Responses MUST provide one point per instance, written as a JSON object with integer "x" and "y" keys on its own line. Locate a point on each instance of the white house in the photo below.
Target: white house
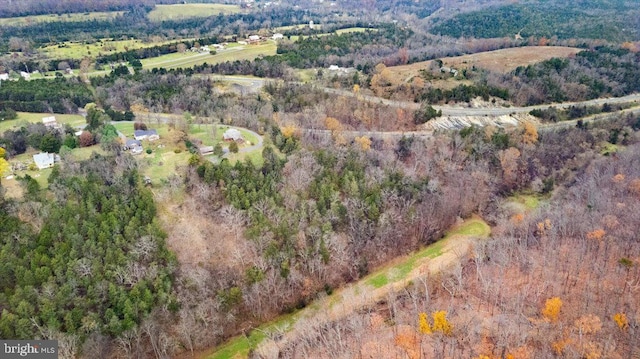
{"x": 50, "y": 121}
{"x": 4, "y": 77}
{"x": 44, "y": 160}
{"x": 232, "y": 135}
{"x": 254, "y": 38}
{"x": 277, "y": 36}
{"x": 25, "y": 75}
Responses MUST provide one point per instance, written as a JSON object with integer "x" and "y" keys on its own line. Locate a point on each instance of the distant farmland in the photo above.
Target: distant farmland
{"x": 30, "y": 20}
{"x": 182, "y": 11}
{"x": 503, "y": 60}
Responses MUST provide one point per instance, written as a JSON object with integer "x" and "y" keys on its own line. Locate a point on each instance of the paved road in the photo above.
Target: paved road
{"x": 494, "y": 111}
{"x": 446, "y": 110}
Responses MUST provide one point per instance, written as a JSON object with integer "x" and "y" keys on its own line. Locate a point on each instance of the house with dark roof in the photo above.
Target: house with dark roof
{"x": 134, "y": 146}
{"x": 150, "y": 135}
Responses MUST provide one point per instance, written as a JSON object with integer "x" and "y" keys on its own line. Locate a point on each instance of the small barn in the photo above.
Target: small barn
{"x": 50, "y": 121}
{"x": 205, "y": 150}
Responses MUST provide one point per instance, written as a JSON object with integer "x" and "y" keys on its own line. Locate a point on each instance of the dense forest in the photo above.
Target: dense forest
{"x": 59, "y": 95}
{"x": 101, "y": 272}
{"x": 610, "y": 20}
{"x": 600, "y": 72}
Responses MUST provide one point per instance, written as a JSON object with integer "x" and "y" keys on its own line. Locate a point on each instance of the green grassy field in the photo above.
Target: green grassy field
{"x": 471, "y": 227}
{"x": 79, "y": 50}
{"x": 29, "y": 20}
{"x": 526, "y": 202}
{"x": 232, "y": 53}
{"x": 183, "y": 11}
{"x": 241, "y": 345}
{"x": 125, "y": 127}
{"x": 25, "y": 118}
{"x": 354, "y": 29}
{"x": 161, "y": 163}
{"x": 204, "y": 133}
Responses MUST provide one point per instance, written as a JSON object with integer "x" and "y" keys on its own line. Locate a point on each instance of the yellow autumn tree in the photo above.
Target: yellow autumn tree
{"x": 356, "y": 89}
{"x": 529, "y": 133}
{"x": 364, "y": 142}
{"x": 551, "y": 309}
{"x": 332, "y": 124}
{"x": 138, "y": 107}
{"x": 4, "y": 165}
{"x": 543, "y": 227}
{"x": 440, "y": 322}
{"x": 559, "y": 345}
{"x": 289, "y": 131}
{"x": 621, "y": 321}
{"x": 423, "y": 324}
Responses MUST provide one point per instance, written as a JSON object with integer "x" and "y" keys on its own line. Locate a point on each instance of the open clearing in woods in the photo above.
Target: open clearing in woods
{"x": 392, "y": 277}
{"x": 183, "y": 11}
{"x": 34, "y": 19}
{"x": 503, "y": 60}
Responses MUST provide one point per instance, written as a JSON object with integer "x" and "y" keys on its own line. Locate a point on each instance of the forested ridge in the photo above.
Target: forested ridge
{"x": 555, "y": 281}
{"x": 610, "y": 20}
{"x": 170, "y": 252}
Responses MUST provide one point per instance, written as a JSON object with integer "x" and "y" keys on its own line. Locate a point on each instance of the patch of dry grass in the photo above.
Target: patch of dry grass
{"x": 503, "y": 60}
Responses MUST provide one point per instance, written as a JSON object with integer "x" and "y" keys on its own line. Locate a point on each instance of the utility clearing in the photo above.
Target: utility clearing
{"x": 503, "y": 60}
{"x": 432, "y": 259}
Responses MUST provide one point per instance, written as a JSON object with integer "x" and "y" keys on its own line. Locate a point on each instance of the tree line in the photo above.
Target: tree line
{"x": 59, "y": 95}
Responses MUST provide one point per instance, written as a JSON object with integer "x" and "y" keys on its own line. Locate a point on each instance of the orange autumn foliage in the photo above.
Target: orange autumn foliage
{"x": 517, "y": 218}
{"x": 289, "y": 131}
{"x": 621, "y": 321}
{"x": 551, "y": 310}
{"x": 597, "y": 234}
{"x": 618, "y": 178}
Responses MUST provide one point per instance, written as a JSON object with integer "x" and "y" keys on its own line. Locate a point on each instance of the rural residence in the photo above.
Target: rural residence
{"x": 232, "y": 135}
{"x": 150, "y": 135}
{"x": 44, "y": 160}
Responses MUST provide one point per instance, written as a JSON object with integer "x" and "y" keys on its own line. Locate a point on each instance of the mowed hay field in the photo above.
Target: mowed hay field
{"x": 30, "y": 20}
{"x": 182, "y": 11}
{"x": 79, "y": 50}
{"x": 503, "y": 60}
{"x": 232, "y": 53}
